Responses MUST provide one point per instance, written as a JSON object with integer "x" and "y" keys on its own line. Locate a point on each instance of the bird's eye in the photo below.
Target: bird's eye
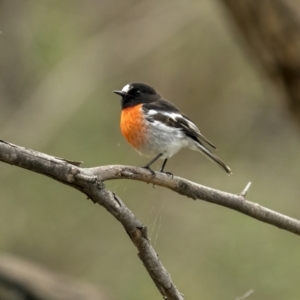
{"x": 137, "y": 92}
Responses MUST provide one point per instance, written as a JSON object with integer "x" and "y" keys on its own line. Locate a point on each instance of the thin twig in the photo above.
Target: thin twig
{"x": 246, "y": 190}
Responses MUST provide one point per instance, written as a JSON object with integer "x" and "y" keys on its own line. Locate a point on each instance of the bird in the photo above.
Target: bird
{"x": 156, "y": 128}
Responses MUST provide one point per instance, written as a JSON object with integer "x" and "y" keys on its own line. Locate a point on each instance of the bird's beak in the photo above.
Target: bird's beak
{"x": 121, "y": 93}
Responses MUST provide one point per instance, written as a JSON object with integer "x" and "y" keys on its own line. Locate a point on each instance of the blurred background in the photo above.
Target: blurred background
{"x": 60, "y": 61}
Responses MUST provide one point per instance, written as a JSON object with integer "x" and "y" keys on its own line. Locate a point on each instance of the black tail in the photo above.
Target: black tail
{"x": 214, "y": 158}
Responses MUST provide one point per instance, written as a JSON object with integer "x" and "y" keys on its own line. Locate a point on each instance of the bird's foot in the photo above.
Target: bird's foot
{"x": 168, "y": 173}
{"x": 149, "y": 169}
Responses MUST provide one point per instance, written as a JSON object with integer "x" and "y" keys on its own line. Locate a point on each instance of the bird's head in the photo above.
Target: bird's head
{"x": 137, "y": 93}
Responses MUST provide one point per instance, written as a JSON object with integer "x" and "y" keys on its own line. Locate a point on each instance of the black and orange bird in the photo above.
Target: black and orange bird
{"x": 156, "y": 128}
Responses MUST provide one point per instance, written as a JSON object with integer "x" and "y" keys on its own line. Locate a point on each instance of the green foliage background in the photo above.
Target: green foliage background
{"x": 60, "y": 61}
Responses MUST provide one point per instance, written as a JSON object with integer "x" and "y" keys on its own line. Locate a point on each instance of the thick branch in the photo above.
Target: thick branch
{"x": 85, "y": 181}
{"x": 90, "y": 181}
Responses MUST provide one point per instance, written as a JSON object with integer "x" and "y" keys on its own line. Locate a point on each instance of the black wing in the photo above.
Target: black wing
{"x": 167, "y": 113}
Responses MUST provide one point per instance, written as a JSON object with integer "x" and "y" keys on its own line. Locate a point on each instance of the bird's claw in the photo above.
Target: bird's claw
{"x": 168, "y": 173}
{"x": 149, "y": 169}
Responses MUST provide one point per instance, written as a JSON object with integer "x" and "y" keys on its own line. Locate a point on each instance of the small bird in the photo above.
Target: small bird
{"x": 156, "y": 128}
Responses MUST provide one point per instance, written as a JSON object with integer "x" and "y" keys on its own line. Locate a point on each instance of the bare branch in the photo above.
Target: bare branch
{"x": 197, "y": 191}
{"x": 90, "y": 182}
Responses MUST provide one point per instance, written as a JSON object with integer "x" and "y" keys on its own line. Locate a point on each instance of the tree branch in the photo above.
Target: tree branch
{"x": 85, "y": 181}
{"x": 90, "y": 182}
{"x": 199, "y": 192}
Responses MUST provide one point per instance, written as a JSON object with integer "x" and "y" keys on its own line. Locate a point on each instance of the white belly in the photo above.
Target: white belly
{"x": 164, "y": 139}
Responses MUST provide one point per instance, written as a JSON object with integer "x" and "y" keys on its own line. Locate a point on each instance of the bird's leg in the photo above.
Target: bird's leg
{"x": 163, "y": 166}
{"x": 151, "y": 162}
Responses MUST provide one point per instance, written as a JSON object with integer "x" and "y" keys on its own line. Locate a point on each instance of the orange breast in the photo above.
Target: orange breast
{"x": 132, "y": 126}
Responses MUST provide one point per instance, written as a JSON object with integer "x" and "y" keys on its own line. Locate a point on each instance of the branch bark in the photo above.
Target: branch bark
{"x": 90, "y": 182}
{"x": 85, "y": 181}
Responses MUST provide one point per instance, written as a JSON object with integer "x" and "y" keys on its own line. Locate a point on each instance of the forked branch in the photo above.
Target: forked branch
{"x": 90, "y": 182}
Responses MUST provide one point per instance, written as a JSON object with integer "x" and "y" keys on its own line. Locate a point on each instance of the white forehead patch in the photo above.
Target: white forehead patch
{"x": 126, "y": 88}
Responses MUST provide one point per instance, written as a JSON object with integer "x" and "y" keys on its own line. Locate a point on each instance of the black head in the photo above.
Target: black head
{"x": 137, "y": 93}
